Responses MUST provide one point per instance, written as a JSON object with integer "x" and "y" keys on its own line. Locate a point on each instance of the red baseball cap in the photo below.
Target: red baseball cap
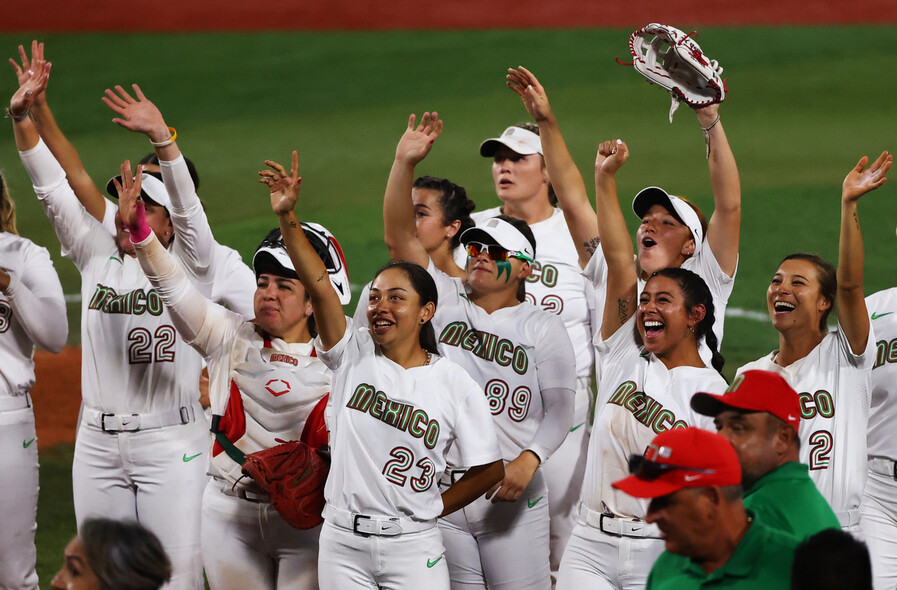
{"x": 755, "y": 391}
{"x": 681, "y": 458}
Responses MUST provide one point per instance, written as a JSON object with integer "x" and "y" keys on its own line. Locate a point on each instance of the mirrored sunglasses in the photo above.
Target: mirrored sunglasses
{"x": 649, "y": 470}
{"x": 494, "y": 251}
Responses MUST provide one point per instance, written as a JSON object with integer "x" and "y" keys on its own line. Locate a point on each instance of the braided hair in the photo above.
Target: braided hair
{"x": 696, "y": 292}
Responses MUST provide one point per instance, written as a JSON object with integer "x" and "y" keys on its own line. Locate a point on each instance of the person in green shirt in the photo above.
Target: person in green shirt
{"x": 760, "y": 415}
{"x": 693, "y": 479}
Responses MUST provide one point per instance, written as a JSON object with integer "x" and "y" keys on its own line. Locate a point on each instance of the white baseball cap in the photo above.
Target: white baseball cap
{"x": 272, "y": 255}
{"x": 151, "y": 189}
{"x": 681, "y": 210}
{"x": 518, "y": 139}
{"x": 501, "y": 233}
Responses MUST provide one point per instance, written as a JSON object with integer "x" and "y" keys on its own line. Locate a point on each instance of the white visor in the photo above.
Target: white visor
{"x": 500, "y": 232}
{"x": 150, "y": 188}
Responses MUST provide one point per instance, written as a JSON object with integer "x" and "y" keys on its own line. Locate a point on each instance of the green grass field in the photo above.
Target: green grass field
{"x": 804, "y": 105}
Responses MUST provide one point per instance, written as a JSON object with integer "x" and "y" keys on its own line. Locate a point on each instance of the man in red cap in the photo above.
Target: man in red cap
{"x": 694, "y": 480}
{"x": 760, "y": 415}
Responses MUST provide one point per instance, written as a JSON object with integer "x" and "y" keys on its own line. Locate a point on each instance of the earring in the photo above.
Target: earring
{"x": 691, "y": 328}
{"x": 168, "y": 232}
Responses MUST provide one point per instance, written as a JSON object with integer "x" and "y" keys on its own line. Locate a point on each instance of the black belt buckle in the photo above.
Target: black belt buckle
{"x": 103, "y": 421}
{"x": 894, "y": 470}
{"x": 185, "y": 415}
{"x": 601, "y": 525}
{"x": 355, "y": 520}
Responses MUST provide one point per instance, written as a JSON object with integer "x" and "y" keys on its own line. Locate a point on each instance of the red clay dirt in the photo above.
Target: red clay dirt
{"x": 57, "y": 394}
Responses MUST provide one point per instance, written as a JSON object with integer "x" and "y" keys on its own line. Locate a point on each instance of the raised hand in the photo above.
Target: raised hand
{"x": 611, "y": 156}
{"x": 284, "y": 188}
{"x": 36, "y": 78}
{"x": 130, "y": 206}
{"x": 137, "y": 114}
{"x": 861, "y": 180}
{"x": 22, "y": 73}
{"x": 527, "y": 87}
{"x": 416, "y": 142}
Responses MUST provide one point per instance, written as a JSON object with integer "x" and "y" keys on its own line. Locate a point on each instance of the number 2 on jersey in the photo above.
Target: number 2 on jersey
{"x": 402, "y": 460}
{"x": 143, "y": 350}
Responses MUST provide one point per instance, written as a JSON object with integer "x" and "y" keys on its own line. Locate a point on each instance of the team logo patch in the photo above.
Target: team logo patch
{"x": 277, "y": 387}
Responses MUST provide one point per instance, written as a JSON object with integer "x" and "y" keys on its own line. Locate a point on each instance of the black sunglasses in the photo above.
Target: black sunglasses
{"x": 649, "y": 470}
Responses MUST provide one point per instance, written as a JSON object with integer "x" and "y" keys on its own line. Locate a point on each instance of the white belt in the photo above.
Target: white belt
{"x": 15, "y": 402}
{"x": 618, "y": 526}
{"x": 848, "y": 518}
{"x": 883, "y": 467}
{"x": 381, "y": 526}
{"x": 132, "y": 422}
{"x": 451, "y": 476}
{"x": 230, "y": 490}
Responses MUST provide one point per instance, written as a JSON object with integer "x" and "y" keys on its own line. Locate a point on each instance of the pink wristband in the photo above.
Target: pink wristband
{"x": 140, "y": 230}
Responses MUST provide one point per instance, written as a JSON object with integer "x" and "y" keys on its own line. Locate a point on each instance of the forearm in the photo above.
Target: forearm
{"x": 558, "y": 404}
{"x": 41, "y": 315}
{"x": 194, "y": 235}
{"x": 399, "y": 228}
{"x": 570, "y": 189}
{"x": 724, "y": 229}
{"x": 475, "y": 482}
{"x": 850, "y": 249}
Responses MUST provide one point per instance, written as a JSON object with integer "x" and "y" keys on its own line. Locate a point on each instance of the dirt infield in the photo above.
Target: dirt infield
{"x": 235, "y": 15}
{"x": 57, "y": 395}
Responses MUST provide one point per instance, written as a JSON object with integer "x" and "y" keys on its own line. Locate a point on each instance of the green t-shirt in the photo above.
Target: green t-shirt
{"x": 762, "y": 560}
{"x": 787, "y": 499}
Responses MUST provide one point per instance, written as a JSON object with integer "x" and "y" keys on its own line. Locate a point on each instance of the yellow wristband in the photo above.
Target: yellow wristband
{"x": 169, "y": 141}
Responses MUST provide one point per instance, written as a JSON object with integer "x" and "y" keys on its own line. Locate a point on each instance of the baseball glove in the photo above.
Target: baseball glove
{"x": 669, "y": 58}
{"x": 293, "y": 474}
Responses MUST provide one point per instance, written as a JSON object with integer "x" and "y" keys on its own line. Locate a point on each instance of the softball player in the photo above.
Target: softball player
{"x": 831, "y": 371}
{"x": 522, "y": 359}
{"x": 397, "y": 408}
{"x": 233, "y": 283}
{"x": 139, "y": 437}
{"x": 265, "y": 379}
{"x": 32, "y": 312}
{"x": 646, "y": 385}
{"x": 878, "y": 514}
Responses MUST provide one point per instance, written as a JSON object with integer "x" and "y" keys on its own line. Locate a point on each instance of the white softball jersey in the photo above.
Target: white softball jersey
{"x": 392, "y": 427}
{"x": 639, "y": 398}
{"x": 513, "y": 354}
{"x": 557, "y": 284}
{"x": 834, "y": 386}
{"x": 264, "y": 388}
{"x": 133, "y": 359}
{"x": 32, "y": 311}
{"x": 703, "y": 264}
{"x": 881, "y": 435}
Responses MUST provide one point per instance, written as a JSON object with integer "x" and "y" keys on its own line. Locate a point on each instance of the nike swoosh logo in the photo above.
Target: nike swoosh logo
{"x": 432, "y": 562}
{"x": 27, "y": 443}
{"x": 190, "y": 458}
{"x": 576, "y": 427}
{"x": 691, "y": 477}
{"x": 875, "y": 316}
{"x": 115, "y": 258}
{"x": 532, "y": 503}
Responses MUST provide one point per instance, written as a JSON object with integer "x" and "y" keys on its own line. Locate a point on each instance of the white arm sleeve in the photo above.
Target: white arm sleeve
{"x": 204, "y": 325}
{"x": 193, "y": 236}
{"x": 558, "y": 403}
{"x": 35, "y": 296}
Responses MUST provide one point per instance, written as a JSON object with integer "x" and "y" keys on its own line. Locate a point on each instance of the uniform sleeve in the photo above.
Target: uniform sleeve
{"x": 234, "y": 282}
{"x": 202, "y": 324}
{"x": 450, "y": 291}
{"x": 476, "y": 442}
{"x": 866, "y": 360}
{"x": 109, "y": 216}
{"x": 35, "y": 296}
{"x": 708, "y": 268}
{"x": 620, "y": 345}
{"x": 193, "y": 236}
{"x": 556, "y": 371}
{"x": 596, "y": 270}
{"x": 75, "y": 228}
{"x": 334, "y": 357}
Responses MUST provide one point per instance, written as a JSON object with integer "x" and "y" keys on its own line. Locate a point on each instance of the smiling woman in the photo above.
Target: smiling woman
{"x": 836, "y": 366}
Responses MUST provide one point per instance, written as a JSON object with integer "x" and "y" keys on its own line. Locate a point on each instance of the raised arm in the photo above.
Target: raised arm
{"x": 399, "y": 228}
{"x": 329, "y": 316}
{"x": 852, "y": 313}
{"x": 36, "y": 299}
{"x": 65, "y": 153}
{"x": 622, "y": 279}
{"x": 562, "y": 170}
{"x": 724, "y": 227}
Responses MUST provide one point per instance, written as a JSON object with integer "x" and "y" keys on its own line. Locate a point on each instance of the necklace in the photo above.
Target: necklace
{"x": 426, "y": 362}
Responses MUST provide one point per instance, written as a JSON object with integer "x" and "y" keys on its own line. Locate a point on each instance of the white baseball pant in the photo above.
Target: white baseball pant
{"x": 246, "y": 544}
{"x": 878, "y": 522}
{"x": 503, "y": 545}
{"x": 155, "y": 476}
{"x": 18, "y": 495}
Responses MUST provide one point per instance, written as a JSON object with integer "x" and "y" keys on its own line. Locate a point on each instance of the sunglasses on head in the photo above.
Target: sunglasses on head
{"x": 494, "y": 251}
{"x": 649, "y": 470}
